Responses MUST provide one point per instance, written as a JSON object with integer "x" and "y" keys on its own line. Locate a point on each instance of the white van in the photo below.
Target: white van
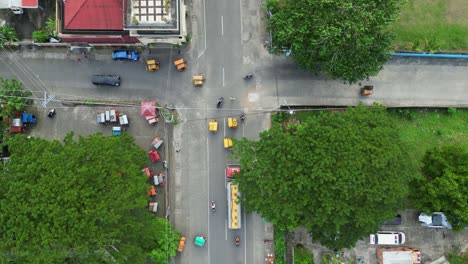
{"x": 387, "y": 238}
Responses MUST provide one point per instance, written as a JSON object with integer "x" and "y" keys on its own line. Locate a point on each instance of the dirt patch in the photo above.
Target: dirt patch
{"x": 456, "y": 11}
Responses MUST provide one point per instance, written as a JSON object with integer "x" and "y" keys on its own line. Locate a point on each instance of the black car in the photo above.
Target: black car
{"x": 112, "y": 80}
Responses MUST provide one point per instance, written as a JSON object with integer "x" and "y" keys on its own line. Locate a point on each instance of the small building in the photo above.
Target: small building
{"x": 121, "y": 22}
{"x": 16, "y": 6}
{"x": 398, "y": 255}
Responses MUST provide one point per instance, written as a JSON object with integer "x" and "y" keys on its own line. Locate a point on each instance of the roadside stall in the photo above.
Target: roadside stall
{"x": 157, "y": 142}
{"x": 152, "y": 191}
{"x": 148, "y": 111}
{"x": 154, "y": 155}
{"x": 158, "y": 180}
{"x": 123, "y": 120}
{"x": 117, "y": 131}
{"x": 101, "y": 118}
{"x": 153, "y": 207}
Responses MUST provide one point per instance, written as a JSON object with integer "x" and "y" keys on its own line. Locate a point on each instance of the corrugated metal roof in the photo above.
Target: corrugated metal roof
{"x": 93, "y": 15}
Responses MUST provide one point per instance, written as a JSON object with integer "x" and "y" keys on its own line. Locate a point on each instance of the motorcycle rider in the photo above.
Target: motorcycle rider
{"x": 242, "y": 117}
{"x": 220, "y": 102}
{"x": 237, "y": 241}
{"x": 213, "y": 206}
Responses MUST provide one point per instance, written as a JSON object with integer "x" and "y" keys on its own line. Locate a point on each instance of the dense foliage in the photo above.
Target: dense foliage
{"x": 13, "y": 97}
{"x": 346, "y": 39}
{"x": 76, "y": 201}
{"x": 7, "y": 34}
{"x": 445, "y": 185}
{"x": 337, "y": 174}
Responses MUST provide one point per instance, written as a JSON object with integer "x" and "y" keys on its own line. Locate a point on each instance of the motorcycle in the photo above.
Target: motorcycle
{"x": 220, "y": 102}
{"x": 213, "y": 206}
{"x": 51, "y": 113}
{"x": 237, "y": 241}
{"x": 248, "y": 76}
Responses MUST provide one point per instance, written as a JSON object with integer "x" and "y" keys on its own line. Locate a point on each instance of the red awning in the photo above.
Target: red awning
{"x": 148, "y": 108}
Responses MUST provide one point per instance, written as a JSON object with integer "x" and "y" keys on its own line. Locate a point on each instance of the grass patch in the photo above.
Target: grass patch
{"x": 423, "y": 129}
{"x": 302, "y": 255}
{"x": 457, "y": 259}
{"x": 420, "y": 129}
{"x": 431, "y": 26}
{"x": 280, "y": 246}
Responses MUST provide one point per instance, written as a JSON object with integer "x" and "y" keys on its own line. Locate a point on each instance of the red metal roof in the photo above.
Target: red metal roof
{"x": 93, "y": 15}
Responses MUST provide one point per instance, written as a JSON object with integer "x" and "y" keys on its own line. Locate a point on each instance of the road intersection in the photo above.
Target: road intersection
{"x": 227, "y": 43}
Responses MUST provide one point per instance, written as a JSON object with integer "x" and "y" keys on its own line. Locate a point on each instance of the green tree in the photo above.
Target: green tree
{"x": 76, "y": 201}
{"x": 445, "y": 185}
{"x": 346, "y": 39}
{"x": 166, "y": 241}
{"x": 7, "y": 34}
{"x": 337, "y": 174}
{"x": 12, "y": 97}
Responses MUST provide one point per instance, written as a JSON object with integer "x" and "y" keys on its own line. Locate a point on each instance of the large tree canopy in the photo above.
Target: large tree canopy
{"x": 76, "y": 201}
{"x": 445, "y": 185}
{"x": 337, "y": 174}
{"x": 346, "y": 39}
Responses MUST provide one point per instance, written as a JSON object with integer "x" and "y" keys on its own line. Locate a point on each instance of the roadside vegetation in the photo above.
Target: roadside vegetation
{"x": 280, "y": 246}
{"x": 43, "y": 35}
{"x": 302, "y": 255}
{"x": 7, "y": 34}
{"x": 349, "y": 171}
{"x": 432, "y": 26}
{"x": 458, "y": 259}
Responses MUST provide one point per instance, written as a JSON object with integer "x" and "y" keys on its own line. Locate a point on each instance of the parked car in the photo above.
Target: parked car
{"x": 396, "y": 221}
{"x": 112, "y": 80}
{"x": 387, "y": 238}
{"x": 125, "y": 55}
{"x": 436, "y": 220}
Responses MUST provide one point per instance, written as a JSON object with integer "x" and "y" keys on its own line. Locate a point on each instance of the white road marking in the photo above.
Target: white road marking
{"x": 223, "y": 77}
{"x": 222, "y": 26}
{"x": 204, "y": 28}
{"x": 225, "y": 229}
{"x": 240, "y": 10}
{"x": 208, "y": 188}
{"x": 224, "y": 127}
